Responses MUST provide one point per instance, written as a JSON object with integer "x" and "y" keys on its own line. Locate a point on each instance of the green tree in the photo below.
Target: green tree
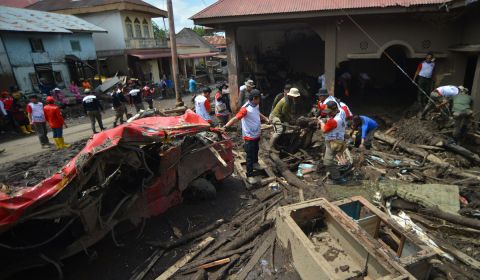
{"x": 159, "y": 33}
{"x": 201, "y": 31}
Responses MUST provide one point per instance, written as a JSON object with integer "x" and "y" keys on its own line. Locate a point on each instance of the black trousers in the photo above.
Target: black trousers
{"x": 251, "y": 149}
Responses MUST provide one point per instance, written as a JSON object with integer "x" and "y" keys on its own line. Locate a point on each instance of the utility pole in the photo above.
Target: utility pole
{"x": 173, "y": 47}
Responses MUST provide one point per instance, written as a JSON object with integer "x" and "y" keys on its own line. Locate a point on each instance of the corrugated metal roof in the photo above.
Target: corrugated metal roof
{"x": 56, "y": 5}
{"x": 14, "y": 19}
{"x": 17, "y": 3}
{"x": 229, "y": 8}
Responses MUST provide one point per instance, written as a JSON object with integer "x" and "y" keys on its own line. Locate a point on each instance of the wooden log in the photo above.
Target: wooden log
{"x": 185, "y": 259}
{"x": 214, "y": 263}
{"x": 267, "y": 243}
{"x": 286, "y": 173}
{"x": 424, "y": 154}
{"x": 187, "y": 237}
{"x": 464, "y": 258}
{"x": 463, "y": 152}
{"x": 222, "y": 273}
{"x": 139, "y": 273}
{"x": 200, "y": 275}
{"x": 249, "y": 236}
{"x": 189, "y": 268}
{"x": 409, "y": 148}
{"x": 436, "y": 212}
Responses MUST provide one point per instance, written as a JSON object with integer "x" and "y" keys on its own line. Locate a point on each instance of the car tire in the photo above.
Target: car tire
{"x": 200, "y": 189}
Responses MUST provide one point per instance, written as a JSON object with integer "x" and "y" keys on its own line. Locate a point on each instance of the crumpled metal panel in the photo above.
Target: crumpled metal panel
{"x": 138, "y": 132}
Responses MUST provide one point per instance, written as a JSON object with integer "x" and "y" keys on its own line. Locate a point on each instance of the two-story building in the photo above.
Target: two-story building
{"x": 44, "y": 48}
{"x": 129, "y": 47}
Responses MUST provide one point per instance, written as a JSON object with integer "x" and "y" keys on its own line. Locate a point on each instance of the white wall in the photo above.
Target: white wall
{"x": 140, "y": 17}
{"x": 112, "y": 22}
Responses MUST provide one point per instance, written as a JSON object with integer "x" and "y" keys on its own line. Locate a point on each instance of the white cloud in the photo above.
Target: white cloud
{"x": 182, "y": 10}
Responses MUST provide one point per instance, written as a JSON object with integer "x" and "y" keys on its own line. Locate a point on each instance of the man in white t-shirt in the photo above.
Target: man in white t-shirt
{"x": 424, "y": 73}
{"x": 441, "y": 98}
{"x": 36, "y": 116}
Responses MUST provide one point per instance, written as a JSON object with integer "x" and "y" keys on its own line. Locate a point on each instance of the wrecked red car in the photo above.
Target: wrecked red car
{"x": 127, "y": 173}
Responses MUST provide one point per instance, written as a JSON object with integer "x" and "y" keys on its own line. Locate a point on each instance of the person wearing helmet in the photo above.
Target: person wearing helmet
{"x": 282, "y": 113}
{"x": 250, "y": 117}
{"x": 334, "y": 132}
{"x": 462, "y": 111}
{"x": 36, "y": 116}
{"x": 55, "y": 120}
{"x": 202, "y": 104}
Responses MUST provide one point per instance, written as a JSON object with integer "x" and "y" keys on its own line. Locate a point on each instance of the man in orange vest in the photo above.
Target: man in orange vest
{"x": 56, "y": 122}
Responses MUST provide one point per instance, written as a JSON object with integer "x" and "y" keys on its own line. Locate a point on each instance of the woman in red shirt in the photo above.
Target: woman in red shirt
{"x": 56, "y": 122}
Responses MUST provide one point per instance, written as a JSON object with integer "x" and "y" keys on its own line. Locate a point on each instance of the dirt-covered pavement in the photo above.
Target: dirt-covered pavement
{"x": 28, "y": 146}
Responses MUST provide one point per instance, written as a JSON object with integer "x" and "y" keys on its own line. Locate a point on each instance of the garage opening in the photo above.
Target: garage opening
{"x": 276, "y": 54}
{"x": 370, "y": 84}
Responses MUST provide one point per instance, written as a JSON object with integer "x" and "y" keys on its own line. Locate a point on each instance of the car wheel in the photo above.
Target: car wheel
{"x": 200, "y": 189}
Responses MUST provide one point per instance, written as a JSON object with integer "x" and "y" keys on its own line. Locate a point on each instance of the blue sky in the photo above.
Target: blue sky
{"x": 182, "y": 9}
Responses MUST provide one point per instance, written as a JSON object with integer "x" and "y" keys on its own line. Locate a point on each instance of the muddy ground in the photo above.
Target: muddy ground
{"x": 107, "y": 260}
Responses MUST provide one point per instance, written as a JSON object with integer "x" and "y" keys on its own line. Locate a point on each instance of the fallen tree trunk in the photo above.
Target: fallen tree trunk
{"x": 286, "y": 173}
{"x": 462, "y": 151}
{"x": 424, "y": 154}
{"x": 437, "y": 213}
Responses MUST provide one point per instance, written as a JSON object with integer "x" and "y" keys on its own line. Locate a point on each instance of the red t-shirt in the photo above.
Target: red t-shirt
{"x": 330, "y": 125}
{"x": 53, "y": 116}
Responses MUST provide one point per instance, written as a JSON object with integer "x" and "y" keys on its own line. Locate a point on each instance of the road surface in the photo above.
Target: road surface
{"x": 30, "y": 145}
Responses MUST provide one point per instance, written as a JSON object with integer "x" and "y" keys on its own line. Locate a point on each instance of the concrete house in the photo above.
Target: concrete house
{"x": 39, "y": 47}
{"x": 281, "y": 38}
{"x": 129, "y": 47}
{"x": 192, "y": 49}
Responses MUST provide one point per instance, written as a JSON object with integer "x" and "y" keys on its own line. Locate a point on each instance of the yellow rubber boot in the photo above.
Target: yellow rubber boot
{"x": 29, "y": 128}
{"x": 57, "y": 143}
{"x": 62, "y": 143}
{"x": 24, "y": 130}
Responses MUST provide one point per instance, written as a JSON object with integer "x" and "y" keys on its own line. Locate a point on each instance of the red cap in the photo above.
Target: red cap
{"x": 50, "y": 99}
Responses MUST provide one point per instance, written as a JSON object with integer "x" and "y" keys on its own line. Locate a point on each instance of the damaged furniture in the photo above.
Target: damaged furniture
{"x": 349, "y": 239}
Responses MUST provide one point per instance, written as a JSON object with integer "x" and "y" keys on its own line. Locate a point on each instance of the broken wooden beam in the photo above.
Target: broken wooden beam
{"x": 185, "y": 259}
{"x": 267, "y": 243}
{"x": 187, "y": 237}
{"x": 286, "y": 173}
{"x": 249, "y": 236}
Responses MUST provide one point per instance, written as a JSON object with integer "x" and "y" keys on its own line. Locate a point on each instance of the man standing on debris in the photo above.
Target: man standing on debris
{"x": 54, "y": 117}
{"x": 245, "y": 92}
{"x": 462, "y": 111}
{"x": 136, "y": 99}
{"x": 365, "y": 128}
{"x": 86, "y": 85}
{"x": 250, "y": 117}
{"x": 445, "y": 93}
{"x": 93, "y": 109}
{"x": 36, "y": 116}
{"x": 202, "y": 104}
{"x": 283, "y": 94}
{"x": 222, "y": 104}
{"x": 118, "y": 102}
{"x": 334, "y": 131}
{"x": 425, "y": 81}
{"x": 282, "y": 113}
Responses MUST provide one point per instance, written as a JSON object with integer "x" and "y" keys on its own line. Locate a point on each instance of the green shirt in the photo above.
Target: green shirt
{"x": 282, "y": 111}
{"x": 461, "y": 102}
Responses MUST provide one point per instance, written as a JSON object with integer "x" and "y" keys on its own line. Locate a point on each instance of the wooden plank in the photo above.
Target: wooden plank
{"x": 464, "y": 258}
{"x": 267, "y": 243}
{"x": 139, "y": 273}
{"x": 185, "y": 259}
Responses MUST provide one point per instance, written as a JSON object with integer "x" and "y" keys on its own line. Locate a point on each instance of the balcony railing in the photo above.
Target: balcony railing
{"x": 145, "y": 43}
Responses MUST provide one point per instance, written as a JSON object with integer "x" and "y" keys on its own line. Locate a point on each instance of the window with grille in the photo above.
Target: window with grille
{"x": 146, "y": 31}
{"x": 75, "y": 46}
{"x": 138, "y": 29}
{"x": 129, "y": 27}
{"x": 36, "y": 44}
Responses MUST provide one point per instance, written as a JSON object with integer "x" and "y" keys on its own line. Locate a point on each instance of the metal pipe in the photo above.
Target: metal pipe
{"x": 173, "y": 47}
